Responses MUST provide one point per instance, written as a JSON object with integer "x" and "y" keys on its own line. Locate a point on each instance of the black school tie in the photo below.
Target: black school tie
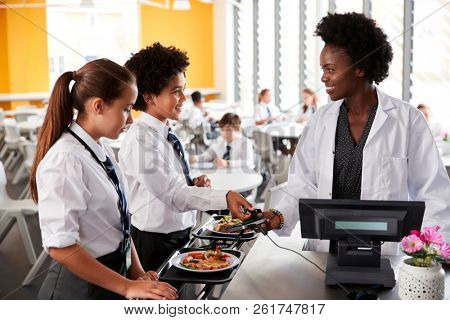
{"x": 226, "y": 155}
{"x": 269, "y": 113}
{"x": 123, "y": 206}
{"x": 180, "y": 153}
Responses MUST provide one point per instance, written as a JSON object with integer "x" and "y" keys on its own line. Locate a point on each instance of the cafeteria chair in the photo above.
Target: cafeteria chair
{"x": 280, "y": 176}
{"x": 26, "y": 107}
{"x": 186, "y": 135}
{"x": 28, "y": 150}
{"x": 12, "y": 211}
{"x": 16, "y": 211}
{"x": 23, "y": 116}
{"x": 13, "y": 142}
{"x": 2, "y": 130}
{"x": 263, "y": 145}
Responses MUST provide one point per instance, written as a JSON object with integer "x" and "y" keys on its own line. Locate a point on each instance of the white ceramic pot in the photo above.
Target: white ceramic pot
{"x": 444, "y": 146}
{"x": 421, "y": 283}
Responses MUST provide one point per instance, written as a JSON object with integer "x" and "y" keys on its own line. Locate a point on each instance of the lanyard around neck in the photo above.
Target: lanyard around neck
{"x": 123, "y": 215}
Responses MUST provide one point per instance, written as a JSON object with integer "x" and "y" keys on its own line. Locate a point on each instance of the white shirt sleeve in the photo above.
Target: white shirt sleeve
{"x": 245, "y": 156}
{"x": 427, "y": 178}
{"x": 63, "y": 198}
{"x": 165, "y": 183}
{"x": 259, "y": 112}
{"x": 302, "y": 182}
{"x": 196, "y": 117}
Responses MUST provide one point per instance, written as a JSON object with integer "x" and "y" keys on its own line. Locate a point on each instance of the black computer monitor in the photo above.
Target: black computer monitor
{"x": 376, "y": 220}
{"x": 359, "y": 227}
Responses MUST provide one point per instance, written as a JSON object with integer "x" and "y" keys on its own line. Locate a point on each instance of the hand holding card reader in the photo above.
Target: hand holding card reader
{"x": 254, "y": 223}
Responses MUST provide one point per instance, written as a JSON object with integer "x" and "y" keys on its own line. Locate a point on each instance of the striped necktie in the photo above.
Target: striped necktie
{"x": 176, "y": 144}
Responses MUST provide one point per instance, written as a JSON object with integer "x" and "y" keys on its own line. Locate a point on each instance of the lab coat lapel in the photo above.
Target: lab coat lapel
{"x": 381, "y": 116}
{"x": 326, "y": 157}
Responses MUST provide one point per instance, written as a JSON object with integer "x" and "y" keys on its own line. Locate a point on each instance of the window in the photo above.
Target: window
{"x": 244, "y": 87}
{"x": 103, "y": 29}
{"x": 343, "y": 6}
{"x": 266, "y": 45}
{"x": 315, "y": 10}
{"x": 289, "y": 55}
{"x": 389, "y": 16}
{"x": 431, "y": 75}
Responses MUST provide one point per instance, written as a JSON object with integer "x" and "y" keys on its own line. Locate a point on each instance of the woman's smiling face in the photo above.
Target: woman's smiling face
{"x": 339, "y": 75}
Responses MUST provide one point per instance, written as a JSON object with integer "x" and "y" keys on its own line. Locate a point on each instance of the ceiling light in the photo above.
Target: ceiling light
{"x": 181, "y": 5}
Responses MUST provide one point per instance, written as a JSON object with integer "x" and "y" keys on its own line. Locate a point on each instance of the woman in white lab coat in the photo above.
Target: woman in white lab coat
{"x": 364, "y": 144}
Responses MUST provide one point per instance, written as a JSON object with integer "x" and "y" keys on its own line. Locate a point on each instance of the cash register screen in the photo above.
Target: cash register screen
{"x": 361, "y": 225}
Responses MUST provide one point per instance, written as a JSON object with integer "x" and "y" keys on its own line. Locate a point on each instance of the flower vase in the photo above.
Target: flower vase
{"x": 421, "y": 283}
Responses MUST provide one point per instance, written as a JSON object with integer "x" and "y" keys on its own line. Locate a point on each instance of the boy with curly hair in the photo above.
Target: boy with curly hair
{"x": 163, "y": 196}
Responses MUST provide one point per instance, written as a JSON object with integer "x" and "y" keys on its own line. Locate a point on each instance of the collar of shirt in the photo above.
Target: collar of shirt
{"x": 96, "y": 147}
{"x": 155, "y": 124}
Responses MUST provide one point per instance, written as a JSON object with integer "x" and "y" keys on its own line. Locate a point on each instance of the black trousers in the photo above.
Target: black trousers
{"x": 154, "y": 248}
{"x": 61, "y": 284}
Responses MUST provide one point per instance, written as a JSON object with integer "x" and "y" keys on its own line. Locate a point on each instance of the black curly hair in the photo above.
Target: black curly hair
{"x": 364, "y": 42}
{"x": 154, "y": 67}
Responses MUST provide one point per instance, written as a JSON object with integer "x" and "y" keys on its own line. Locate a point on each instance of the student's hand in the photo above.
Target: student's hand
{"x": 192, "y": 159}
{"x": 202, "y": 181}
{"x": 220, "y": 163}
{"x": 146, "y": 289}
{"x": 234, "y": 203}
{"x": 149, "y": 275}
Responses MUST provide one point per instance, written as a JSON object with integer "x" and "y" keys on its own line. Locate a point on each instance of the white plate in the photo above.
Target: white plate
{"x": 202, "y": 165}
{"x": 210, "y": 227}
{"x": 176, "y": 261}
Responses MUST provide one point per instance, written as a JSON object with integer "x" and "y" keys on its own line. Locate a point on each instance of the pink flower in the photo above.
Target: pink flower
{"x": 411, "y": 244}
{"x": 416, "y": 233}
{"x": 445, "y": 251}
{"x": 431, "y": 235}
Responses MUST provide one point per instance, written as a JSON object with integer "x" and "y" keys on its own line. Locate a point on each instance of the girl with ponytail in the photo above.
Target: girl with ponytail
{"x": 83, "y": 212}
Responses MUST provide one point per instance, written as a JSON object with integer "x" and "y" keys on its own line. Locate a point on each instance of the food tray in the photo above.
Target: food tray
{"x": 171, "y": 273}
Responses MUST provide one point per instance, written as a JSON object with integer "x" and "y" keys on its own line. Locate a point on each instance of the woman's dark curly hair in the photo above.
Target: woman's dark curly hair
{"x": 364, "y": 42}
{"x": 154, "y": 67}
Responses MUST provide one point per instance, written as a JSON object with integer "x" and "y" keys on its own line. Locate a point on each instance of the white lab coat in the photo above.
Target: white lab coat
{"x": 400, "y": 162}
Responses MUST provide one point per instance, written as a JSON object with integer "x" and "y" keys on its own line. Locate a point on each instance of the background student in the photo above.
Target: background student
{"x": 82, "y": 202}
{"x": 164, "y": 196}
{"x": 198, "y": 114}
{"x": 309, "y": 106}
{"x": 231, "y": 149}
{"x": 265, "y": 111}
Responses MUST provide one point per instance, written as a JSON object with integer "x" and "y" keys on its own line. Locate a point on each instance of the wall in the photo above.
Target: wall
{"x": 24, "y": 67}
{"x": 190, "y": 30}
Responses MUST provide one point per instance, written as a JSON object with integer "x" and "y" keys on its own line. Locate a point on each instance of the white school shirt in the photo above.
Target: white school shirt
{"x": 241, "y": 153}
{"x": 262, "y": 113}
{"x": 160, "y": 199}
{"x": 400, "y": 162}
{"x": 196, "y": 117}
{"x": 77, "y": 201}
